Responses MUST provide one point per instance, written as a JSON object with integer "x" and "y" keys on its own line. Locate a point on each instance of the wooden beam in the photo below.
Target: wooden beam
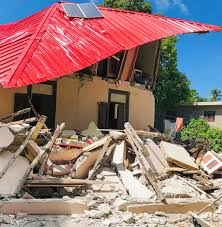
{"x": 18, "y": 113}
{"x": 43, "y": 206}
{"x": 128, "y": 68}
{"x": 175, "y": 206}
{"x": 96, "y": 144}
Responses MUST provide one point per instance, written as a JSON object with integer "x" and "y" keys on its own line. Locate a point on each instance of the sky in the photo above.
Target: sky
{"x": 199, "y": 56}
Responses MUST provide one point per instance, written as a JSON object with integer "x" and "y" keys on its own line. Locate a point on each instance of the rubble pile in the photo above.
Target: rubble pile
{"x": 122, "y": 178}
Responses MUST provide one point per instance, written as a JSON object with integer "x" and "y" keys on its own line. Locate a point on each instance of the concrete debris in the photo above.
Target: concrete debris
{"x": 128, "y": 218}
{"x": 123, "y": 178}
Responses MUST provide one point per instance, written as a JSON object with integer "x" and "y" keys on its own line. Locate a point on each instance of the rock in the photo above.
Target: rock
{"x": 160, "y": 213}
{"x": 104, "y": 207}
{"x": 100, "y": 177}
{"x": 6, "y": 219}
{"x": 128, "y": 218}
{"x": 20, "y": 215}
{"x": 92, "y": 204}
{"x": 120, "y": 204}
{"x": 96, "y": 214}
{"x": 16, "y": 128}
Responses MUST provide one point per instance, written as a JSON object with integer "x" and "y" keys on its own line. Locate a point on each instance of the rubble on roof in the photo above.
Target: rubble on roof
{"x": 137, "y": 175}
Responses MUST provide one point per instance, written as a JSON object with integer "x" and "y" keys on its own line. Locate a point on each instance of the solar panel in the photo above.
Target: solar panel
{"x": 84, "y": 10}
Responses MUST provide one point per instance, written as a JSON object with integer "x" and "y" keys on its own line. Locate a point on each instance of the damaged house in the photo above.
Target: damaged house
{"x": 94, "y": 64}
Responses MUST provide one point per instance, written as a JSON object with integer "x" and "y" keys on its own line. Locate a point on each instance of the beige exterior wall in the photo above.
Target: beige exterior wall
{"x": 198, "y": 111}
{"x": 77, "y": 101}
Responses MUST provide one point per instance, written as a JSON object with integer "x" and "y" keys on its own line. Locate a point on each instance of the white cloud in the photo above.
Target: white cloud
{"x": 181, "y": 6}
{"x": 164, "y": 5}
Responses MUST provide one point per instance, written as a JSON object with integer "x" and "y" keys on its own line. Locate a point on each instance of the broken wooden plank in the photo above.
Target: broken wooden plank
{"x": 49, "y": 146}
{"x": 38, "y": 127}
{"x": 57, "y": 182}
{"x": 178, "y": 155}
{"x": 15, "y": 114}
{"x": 25, "y": 121}
{"x": 96, "y": 144}
{"x": 100, "y": 160}
{"x": 156, "y": 156}
{"x": 43, "y": 206}
{"x": 144, "y": 163}
{"x": 133, "y": 186}
{"x": 175, "y": 206}
{"x": 195, "y": 187}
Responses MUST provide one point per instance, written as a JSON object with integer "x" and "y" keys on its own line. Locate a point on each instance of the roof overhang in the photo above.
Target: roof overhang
{"x": 48, "y": 44}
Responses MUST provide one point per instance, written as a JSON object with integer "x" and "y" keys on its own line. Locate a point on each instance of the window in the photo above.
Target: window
{"x": 209, "y": 116}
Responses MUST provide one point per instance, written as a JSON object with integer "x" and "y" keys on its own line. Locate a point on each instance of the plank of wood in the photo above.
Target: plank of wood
{"x": 38, "y": 127}
{"x": 15, "y": 114}
{"x": 17, "y": 153}
{"x": 100, "y": 160}
{"x": 12, "y": 178}
{"x": 176, "y": 206}
{"x": 63, "y": 181}
{"x": 96, "y": 144}
{"x": 200, "y": 220}
{"x": 194, "y": 186}
{"x": 156, "y": 156}
{"x": 133, "y": 186}
{"x": 29, "y": 169}
{"x": 25, "y": 121}
{"x": 43, "y": 206}
{"x": 178, "y": 155}
{"x": 139, "y": 150}
{"x": 49, "y": 146}
{"x": 128, "y": 67}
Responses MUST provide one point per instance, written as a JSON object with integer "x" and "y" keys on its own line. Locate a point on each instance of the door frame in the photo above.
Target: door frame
{"x": 54, "y": 96}
{"x": 127, "y": 94}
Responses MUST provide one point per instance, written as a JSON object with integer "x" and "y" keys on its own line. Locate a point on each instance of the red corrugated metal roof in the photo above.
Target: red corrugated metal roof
{"x": 48, "y": 44}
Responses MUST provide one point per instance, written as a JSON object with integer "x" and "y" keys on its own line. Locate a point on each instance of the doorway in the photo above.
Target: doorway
{"x": 43, "y": 98}
{"x": 115, "y": 113}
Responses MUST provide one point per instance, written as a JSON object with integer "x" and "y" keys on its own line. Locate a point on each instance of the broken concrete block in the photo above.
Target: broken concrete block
{"x": 128, "y": 218}
{"x": 6, "y": 137}
{"x": 117, "y": 135}
{"x": 96, "y": 214}
{"x": 16, "y": 128}
{"x": 105, "y": 207}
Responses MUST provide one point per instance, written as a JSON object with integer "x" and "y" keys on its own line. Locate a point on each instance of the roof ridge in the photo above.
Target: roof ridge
{"x": 31, "y": 46}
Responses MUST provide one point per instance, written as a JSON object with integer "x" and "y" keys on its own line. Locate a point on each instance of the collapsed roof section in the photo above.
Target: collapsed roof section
{"x": 49, "y": 44}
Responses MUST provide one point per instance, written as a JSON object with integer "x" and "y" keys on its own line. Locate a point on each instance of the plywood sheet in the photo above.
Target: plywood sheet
{"x": 11, "y": 179}
{"x": 178, "y": 155}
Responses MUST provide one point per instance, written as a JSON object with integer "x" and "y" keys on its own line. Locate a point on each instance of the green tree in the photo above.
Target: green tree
{"x": 173, "y": 87}
{"x": 215, "y": 95}
{"x": 194, "y": 97}
{"x": 135, "y": 5}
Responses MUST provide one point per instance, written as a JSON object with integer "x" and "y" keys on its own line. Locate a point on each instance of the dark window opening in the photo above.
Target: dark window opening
{"x": 209, "y": 116}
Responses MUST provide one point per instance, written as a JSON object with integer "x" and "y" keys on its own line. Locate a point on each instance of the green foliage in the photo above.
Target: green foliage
{"x": 135, "y": 5}
{"x": 198, "y": 129}
{"x": 194, "y": 97}
{"x": 172, "y": 86}
{"x": 214, "y": 136}
{"x": 215, "y": 95}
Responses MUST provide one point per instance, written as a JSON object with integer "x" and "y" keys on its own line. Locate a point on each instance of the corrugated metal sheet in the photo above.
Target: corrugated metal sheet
{"x": 48, "y": 44}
